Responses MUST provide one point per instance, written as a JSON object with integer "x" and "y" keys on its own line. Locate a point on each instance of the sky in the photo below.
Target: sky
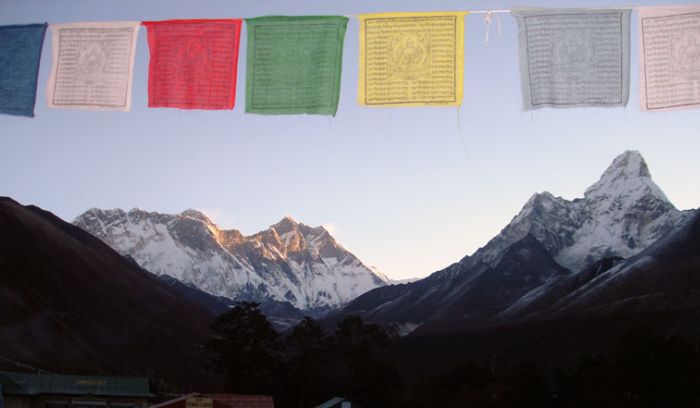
{"x": 408, "y": 190}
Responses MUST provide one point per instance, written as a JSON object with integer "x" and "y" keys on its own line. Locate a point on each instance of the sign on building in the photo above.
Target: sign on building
{"x": 199, "y": 403}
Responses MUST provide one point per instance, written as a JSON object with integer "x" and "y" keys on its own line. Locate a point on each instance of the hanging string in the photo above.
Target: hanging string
{"x": 508, "y": 11}
{"x": 468, "y": 11}
{"x": 488, "y": 18}
{"x": 488, "y": 11}
{"x": 461, "y": 137}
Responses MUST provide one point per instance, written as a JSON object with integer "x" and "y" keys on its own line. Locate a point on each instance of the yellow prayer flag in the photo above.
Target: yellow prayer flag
{"x": 411, "y": 59}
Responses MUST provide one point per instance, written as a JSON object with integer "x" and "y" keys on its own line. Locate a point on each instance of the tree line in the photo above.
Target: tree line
{"x": 358, "y": 360}
{"x": 306, "y": 366}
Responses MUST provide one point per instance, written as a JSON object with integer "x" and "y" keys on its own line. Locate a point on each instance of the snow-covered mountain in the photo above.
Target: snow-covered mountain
{"x": 288, "y": 262}
{"x": 619, "y": 216}
{"x": 662, "y": 277}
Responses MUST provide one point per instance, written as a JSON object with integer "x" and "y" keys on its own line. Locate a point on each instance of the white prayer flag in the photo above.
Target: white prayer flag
{"x": 669, "y": 57}
{"x": 574, "y": 57}
{"x": 92, "y": 65}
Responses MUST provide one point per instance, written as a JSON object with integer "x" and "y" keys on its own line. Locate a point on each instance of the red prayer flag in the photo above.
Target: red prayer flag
{"x": 193, "y": 63}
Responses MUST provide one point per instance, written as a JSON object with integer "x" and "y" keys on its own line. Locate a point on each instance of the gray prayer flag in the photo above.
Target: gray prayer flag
{"x": 574, "y": 57}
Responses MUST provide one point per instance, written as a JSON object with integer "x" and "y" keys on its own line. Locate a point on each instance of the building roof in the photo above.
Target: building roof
{"x": 331, "y": 402}
{"x": 335, "y": 403}
{"x": 35, "y": 384}
{"x": 222, "y": 401}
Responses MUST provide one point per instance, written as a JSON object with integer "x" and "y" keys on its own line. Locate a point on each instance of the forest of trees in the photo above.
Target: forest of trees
{"x": 358, "y": 361}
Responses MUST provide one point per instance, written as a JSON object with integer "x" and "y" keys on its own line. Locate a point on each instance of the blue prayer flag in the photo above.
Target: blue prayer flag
{"x": 20, "y": 51}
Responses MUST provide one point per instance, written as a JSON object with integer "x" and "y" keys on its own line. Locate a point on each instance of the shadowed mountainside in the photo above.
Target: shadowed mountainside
{"x": 70, "y": 304}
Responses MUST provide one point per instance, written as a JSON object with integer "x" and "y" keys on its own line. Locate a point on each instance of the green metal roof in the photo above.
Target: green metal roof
{"x": 34, "y": 384}
{"x": 336, "y": 402}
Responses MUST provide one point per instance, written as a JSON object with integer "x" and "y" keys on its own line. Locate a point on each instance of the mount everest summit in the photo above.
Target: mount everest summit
{"x": 288, "y": 262}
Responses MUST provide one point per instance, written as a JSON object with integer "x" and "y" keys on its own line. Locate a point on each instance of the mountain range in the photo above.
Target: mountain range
{"x": 572, "y": 297}
{"x": 288, "y": 262}
{"x": 555, "y": 256}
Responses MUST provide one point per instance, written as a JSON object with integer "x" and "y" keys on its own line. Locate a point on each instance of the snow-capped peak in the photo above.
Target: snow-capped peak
{"x": 630, "y": 163}
{"x": 538, "y": 203}
{"x": 97, "y": 212}
{"x": 285, "y": 225}
{"x": 627, "y": 176}
{"x": 622, "y": 213}
{"x": 289, "y": 218}
{"x": 197, "y": 215}
{"x": 290, "y": 261}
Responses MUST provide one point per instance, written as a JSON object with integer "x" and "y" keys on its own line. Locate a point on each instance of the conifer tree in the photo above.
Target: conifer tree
{"x": 246, "y": 349}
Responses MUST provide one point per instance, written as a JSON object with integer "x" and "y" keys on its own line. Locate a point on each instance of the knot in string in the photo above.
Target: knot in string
{"x": 488, "y": 18}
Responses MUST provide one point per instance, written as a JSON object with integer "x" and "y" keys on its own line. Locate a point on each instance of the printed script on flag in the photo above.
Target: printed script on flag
{"x": 20, "y": 52}
{"x": 193, "y": 63}
{"x": 669, "y": 57}
{"x": 411, "y": 59}
{"x": 92, "y": 65}
{"x": 294, "y": 64}
{"x": 574, "y": 57}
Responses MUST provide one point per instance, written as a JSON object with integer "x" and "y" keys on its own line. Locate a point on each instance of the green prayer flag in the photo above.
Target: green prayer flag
{"x": 294, "y": 64}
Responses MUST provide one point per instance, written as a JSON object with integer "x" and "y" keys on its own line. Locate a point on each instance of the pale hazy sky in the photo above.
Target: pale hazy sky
{"x": 409, "y": 190}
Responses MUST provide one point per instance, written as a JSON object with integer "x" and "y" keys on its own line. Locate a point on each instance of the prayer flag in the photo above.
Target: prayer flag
{"x": 193, "y": 63}
{"x": 411, "y": 59}
{"x": 669, "y": 57}
{"x": 92, "y": 65}
{"x": 20, "y": 52}
{"x": 294, "y": 64}
{"x": 574, "y": 57}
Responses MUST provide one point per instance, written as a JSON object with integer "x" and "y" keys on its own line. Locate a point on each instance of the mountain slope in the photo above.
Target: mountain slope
{"x": 618, "y": 217}
{"x": 288, "y": 262}
{"x": 475, "y": 296}
{"x": 615, "y": 306}
{"x": 216, "y": 305}
{"x": 663, "y": 277}
{"x": 69, "y": 303}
